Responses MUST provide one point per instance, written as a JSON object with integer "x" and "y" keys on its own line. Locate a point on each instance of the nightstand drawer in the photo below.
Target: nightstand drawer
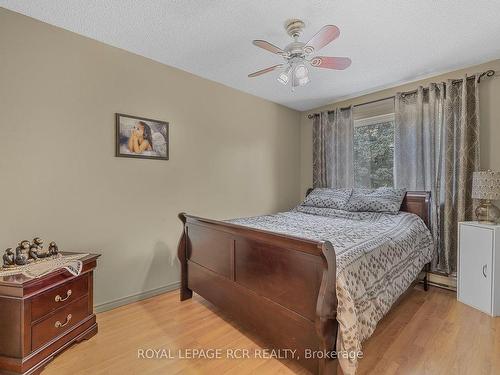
{"x": 56, "y": 298}
{"x": 59, "y": 322}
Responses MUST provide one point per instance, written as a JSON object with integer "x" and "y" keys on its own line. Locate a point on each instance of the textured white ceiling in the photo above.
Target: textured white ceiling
{"x": 389, "y": 41}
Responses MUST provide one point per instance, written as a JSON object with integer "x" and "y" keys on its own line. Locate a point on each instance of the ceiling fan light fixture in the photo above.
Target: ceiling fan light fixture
{"x": 284, "y": 76}
{"x": 301, "y": 71}
{"x": 303, "y": 81}
{"x": 301, "y": 75}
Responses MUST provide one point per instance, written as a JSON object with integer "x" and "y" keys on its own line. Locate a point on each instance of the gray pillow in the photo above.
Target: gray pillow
{"x": 330, "y": 198}
{"x": 383, "y": 199}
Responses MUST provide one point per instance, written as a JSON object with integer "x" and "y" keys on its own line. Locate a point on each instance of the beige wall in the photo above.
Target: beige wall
{"x": 489, "y": 112}
{"x": 231, "y": 154}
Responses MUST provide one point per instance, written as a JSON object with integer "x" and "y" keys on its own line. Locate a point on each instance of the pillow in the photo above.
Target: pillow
{"x": 383, "y": 199}
{"x": 330, "y": 198}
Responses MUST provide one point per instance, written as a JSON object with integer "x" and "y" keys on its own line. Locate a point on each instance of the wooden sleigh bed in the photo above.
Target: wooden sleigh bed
{"x": 282, "y": 288}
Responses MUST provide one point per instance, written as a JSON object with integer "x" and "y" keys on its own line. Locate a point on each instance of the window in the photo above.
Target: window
{"x": 374, "y": 151}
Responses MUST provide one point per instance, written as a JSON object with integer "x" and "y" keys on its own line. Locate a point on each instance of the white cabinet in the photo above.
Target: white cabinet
{"x": 479, "y": 266}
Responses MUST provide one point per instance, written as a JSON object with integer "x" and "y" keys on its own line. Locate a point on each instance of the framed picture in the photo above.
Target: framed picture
{"x": 138, "y": 137}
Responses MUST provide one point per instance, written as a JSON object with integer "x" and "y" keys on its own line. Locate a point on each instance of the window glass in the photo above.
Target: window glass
{"x": 374, "y": 152}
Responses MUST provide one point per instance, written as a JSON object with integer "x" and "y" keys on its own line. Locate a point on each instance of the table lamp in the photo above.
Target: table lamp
{"x": 486, "y": 187}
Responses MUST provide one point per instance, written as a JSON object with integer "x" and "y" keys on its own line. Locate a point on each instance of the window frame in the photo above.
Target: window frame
{"x": 367, "y": 121}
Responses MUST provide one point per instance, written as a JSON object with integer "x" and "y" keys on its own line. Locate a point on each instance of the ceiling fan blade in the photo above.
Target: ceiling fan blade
{"x": 339, "y": 63}
{"x": 268, "y": 46}
{"x": 264, "y": 71}
{"x": 327, "y": 34}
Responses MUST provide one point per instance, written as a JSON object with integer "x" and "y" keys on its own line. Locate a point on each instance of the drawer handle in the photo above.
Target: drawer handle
{"x": 61, "y": 299}
{"x": 58, "y": 324}
{"x": 484, "y": 270}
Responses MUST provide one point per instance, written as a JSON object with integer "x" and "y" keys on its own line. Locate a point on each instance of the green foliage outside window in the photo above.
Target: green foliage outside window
{"x": 374, "y": 155}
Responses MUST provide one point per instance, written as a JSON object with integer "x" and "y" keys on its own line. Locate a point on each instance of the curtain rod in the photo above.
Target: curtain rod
{"x": 487, "y": 73}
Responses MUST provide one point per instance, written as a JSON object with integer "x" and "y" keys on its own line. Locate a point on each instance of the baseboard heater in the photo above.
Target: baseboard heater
{"x": 443, "y": 281}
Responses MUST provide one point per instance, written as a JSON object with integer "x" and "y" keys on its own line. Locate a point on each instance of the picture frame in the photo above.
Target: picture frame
{"x": 141, "y": 138}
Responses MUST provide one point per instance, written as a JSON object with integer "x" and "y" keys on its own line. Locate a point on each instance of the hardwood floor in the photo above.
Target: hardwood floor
{"x": 427, "y": 333}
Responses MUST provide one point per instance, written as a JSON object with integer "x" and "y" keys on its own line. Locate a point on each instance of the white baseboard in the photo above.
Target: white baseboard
{"x": 135, "y": 297}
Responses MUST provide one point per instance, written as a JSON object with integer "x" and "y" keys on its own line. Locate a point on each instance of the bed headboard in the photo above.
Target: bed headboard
{"x": 415, "y": 202}
{"x": 418, "y": 203}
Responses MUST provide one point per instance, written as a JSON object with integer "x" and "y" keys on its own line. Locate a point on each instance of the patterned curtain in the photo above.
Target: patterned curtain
{"x": 460, "y": 159}
{"x": 417, "y": 145}
{"x": 437, "y": 149}
{"x": 333, "y": 149}
{"x": 322, "y": 150}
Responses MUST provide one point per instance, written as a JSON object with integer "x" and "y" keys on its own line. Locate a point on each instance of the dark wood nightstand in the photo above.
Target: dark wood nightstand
{"x": 39, "y": 318}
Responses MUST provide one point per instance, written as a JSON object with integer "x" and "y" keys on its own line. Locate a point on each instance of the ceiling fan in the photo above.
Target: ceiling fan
{"x": 298, "y": 54}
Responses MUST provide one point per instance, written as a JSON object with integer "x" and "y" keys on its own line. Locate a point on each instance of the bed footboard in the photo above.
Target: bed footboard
{"x": 281, "y": 288}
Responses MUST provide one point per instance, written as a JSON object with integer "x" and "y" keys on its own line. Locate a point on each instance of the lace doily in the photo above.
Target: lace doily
{"x": 42, "y": 267}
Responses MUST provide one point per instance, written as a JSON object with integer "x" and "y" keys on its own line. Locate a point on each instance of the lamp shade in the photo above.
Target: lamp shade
{"x": 486, "y": 185}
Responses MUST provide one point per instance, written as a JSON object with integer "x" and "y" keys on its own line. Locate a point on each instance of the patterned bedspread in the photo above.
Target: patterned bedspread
{"x": 378, "y": 257}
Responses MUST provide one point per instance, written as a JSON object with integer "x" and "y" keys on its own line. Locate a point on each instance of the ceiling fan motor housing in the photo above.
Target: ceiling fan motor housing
{"x": 295, "y": 49}
{"x": 294, "y": 27}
